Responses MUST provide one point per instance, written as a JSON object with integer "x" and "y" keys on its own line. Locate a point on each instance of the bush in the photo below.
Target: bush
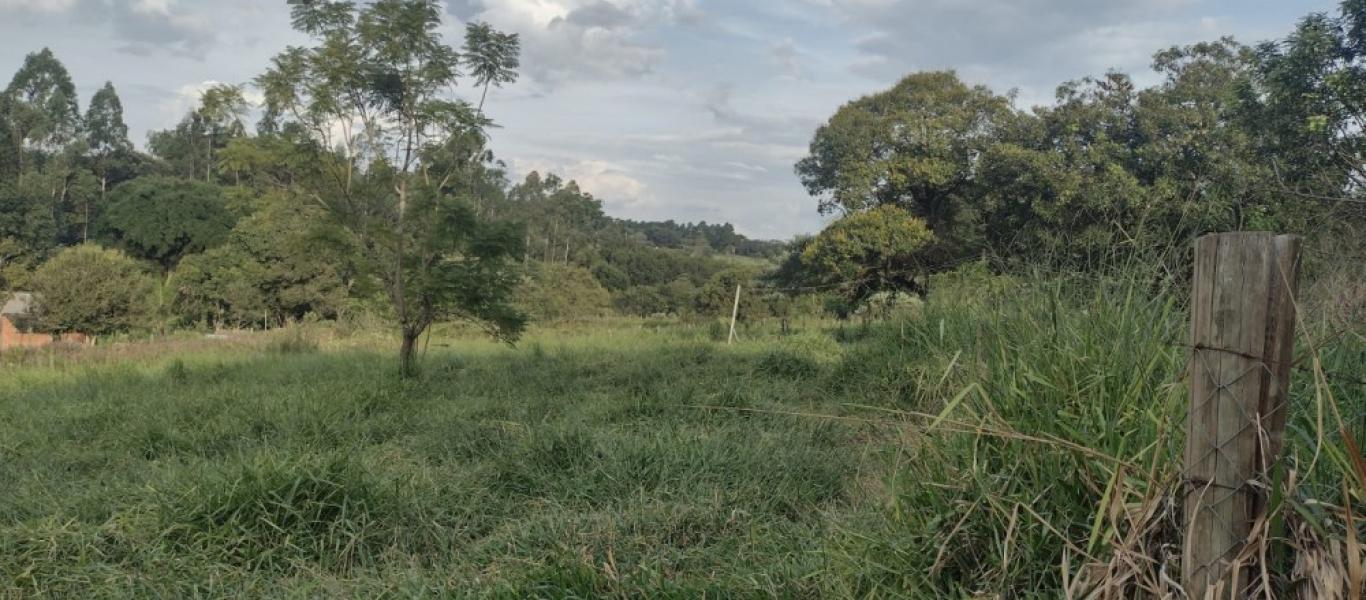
{"x": 91, "y": 290}
{"x": 563, "y": 292}
{"x": 641, "y": 301}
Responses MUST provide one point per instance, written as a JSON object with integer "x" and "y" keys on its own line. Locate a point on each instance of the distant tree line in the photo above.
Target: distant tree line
{"x": 1233, "y": 137}
{"x": 362, "y": 185}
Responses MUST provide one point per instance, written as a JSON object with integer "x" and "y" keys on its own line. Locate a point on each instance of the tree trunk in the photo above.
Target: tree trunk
{"x": 406, "y": 365}
{"x": 104, "y": 188}
{"x": 407, "y": 353}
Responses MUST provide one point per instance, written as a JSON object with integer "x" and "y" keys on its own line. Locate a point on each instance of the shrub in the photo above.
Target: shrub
{"x": 641, "y": 301}
{"x": 92, "y": 290}
{"x": 563, "y": 292}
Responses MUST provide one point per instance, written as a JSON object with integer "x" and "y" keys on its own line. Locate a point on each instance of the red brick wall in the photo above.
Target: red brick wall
{"x": 11, "y": 337}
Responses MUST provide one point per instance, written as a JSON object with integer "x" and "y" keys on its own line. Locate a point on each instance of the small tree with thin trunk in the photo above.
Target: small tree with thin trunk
{"x": 396, "y": 157}
{"x": 491, "y": 57}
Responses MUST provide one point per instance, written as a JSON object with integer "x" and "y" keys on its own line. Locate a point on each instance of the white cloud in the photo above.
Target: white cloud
{"x": 785, "y": 54}
{"x": 578, "y": 40}
{"x": 153, "y": 7}
{"x": 607, "y": 181}
{"x": 39, "y": 6}
{"x": 1033, "y": 45}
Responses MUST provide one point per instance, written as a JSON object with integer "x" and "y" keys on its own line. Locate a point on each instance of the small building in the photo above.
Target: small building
{"x": 16, "y": 326}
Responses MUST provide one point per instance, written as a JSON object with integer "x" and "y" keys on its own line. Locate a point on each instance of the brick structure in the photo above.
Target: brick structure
{"x": 14, "y": 333}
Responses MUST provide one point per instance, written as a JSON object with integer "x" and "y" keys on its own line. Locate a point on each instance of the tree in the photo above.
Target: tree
{"x": 43, "y": 112}
{"x": 375, "y": 87}
{"x": 164, "y": 219}
{"x": 717, "y": 296}
{"x": 280, "y": 263}
{"x": 869, "y": 252}
{"x": 221, "y": 286}
{"x": 914, "y": 146}
{"x": 93, "y": 290}
{"x": 192, "y": 148}
{"x": 1304, "y": 105}
{"x": 107, "y": 143}
{"x": 44, "y": 127}
{"x": 560, "y": 217}
{"x": 491, "y": 57}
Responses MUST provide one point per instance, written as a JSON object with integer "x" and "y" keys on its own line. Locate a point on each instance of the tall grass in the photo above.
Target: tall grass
{"x": 1048, "y": 420}
{"x": 1019, "y": 437}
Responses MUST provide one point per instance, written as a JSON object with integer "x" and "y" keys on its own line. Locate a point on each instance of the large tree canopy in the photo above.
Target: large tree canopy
{"x": 914, "y": 146}
{"x": 163, "y": 219}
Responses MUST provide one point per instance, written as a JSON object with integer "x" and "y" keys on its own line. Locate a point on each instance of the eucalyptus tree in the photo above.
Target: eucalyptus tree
{"x": 107, "y": 144}
{"x": 43, "y": 113}
{"x": 193, "y": 147}
{"x": 223, "y": 108}
{"x": 397, "y": 157}
{"x": 45, "y": 126}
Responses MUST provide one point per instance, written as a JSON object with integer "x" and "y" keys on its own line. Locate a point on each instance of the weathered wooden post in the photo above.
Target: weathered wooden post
{"x": 734, "y": 312}
{"x": 1242, "y": 336}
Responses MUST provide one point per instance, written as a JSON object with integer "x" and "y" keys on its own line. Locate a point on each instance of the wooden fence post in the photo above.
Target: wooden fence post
{"x": 734, "y": 312}
{"x": 1242, "y": 337}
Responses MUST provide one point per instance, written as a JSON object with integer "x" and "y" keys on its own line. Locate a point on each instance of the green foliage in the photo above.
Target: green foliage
{"x": 563, "y": 293}
{"x": 42, "y": 106}
{"x": 716, "y": 298}
{"x": 220, "y": 287}
{"x": 164, "y": 219}
{"x": 641, "y": 301}
{"x": 914, "y": 146}
{"x": 26, "y": 226}
{"x": 491, "y": 57}
{"x": 1231, "y": 138}
{"x": 192, "y": 150}
{"x": 881, "y": 249}
{"x": 106, "y": 133}
{"x": 410, "y": 189}
{"x": 281, "y": 263}
{"x": 93, "y": 290}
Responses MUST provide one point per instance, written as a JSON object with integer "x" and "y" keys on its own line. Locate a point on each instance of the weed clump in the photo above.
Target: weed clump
{"x": 271, "y": 512}
{"x": 801, "y": 356}
{"x": 295, "y": 340}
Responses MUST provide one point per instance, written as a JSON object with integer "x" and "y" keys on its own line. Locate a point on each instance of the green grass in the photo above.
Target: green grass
{"x": 964, "y": 451}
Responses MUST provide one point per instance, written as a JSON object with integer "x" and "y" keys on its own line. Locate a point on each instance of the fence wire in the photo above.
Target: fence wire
{"x": 1223, "y": 458}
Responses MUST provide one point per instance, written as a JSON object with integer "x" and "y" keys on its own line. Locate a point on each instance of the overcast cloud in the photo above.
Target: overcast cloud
{"x": 683, "y": 109}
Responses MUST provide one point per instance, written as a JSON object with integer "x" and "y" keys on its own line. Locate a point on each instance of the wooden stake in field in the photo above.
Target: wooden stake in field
{"x": 1242, "y": 334}
{"x": 734, "y": 312}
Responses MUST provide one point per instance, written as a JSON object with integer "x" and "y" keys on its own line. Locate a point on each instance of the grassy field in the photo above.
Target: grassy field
{"x": 1010, "y": 432}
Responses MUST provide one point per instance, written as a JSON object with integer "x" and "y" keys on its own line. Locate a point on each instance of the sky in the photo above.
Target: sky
{"x": 692, "y": 110}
